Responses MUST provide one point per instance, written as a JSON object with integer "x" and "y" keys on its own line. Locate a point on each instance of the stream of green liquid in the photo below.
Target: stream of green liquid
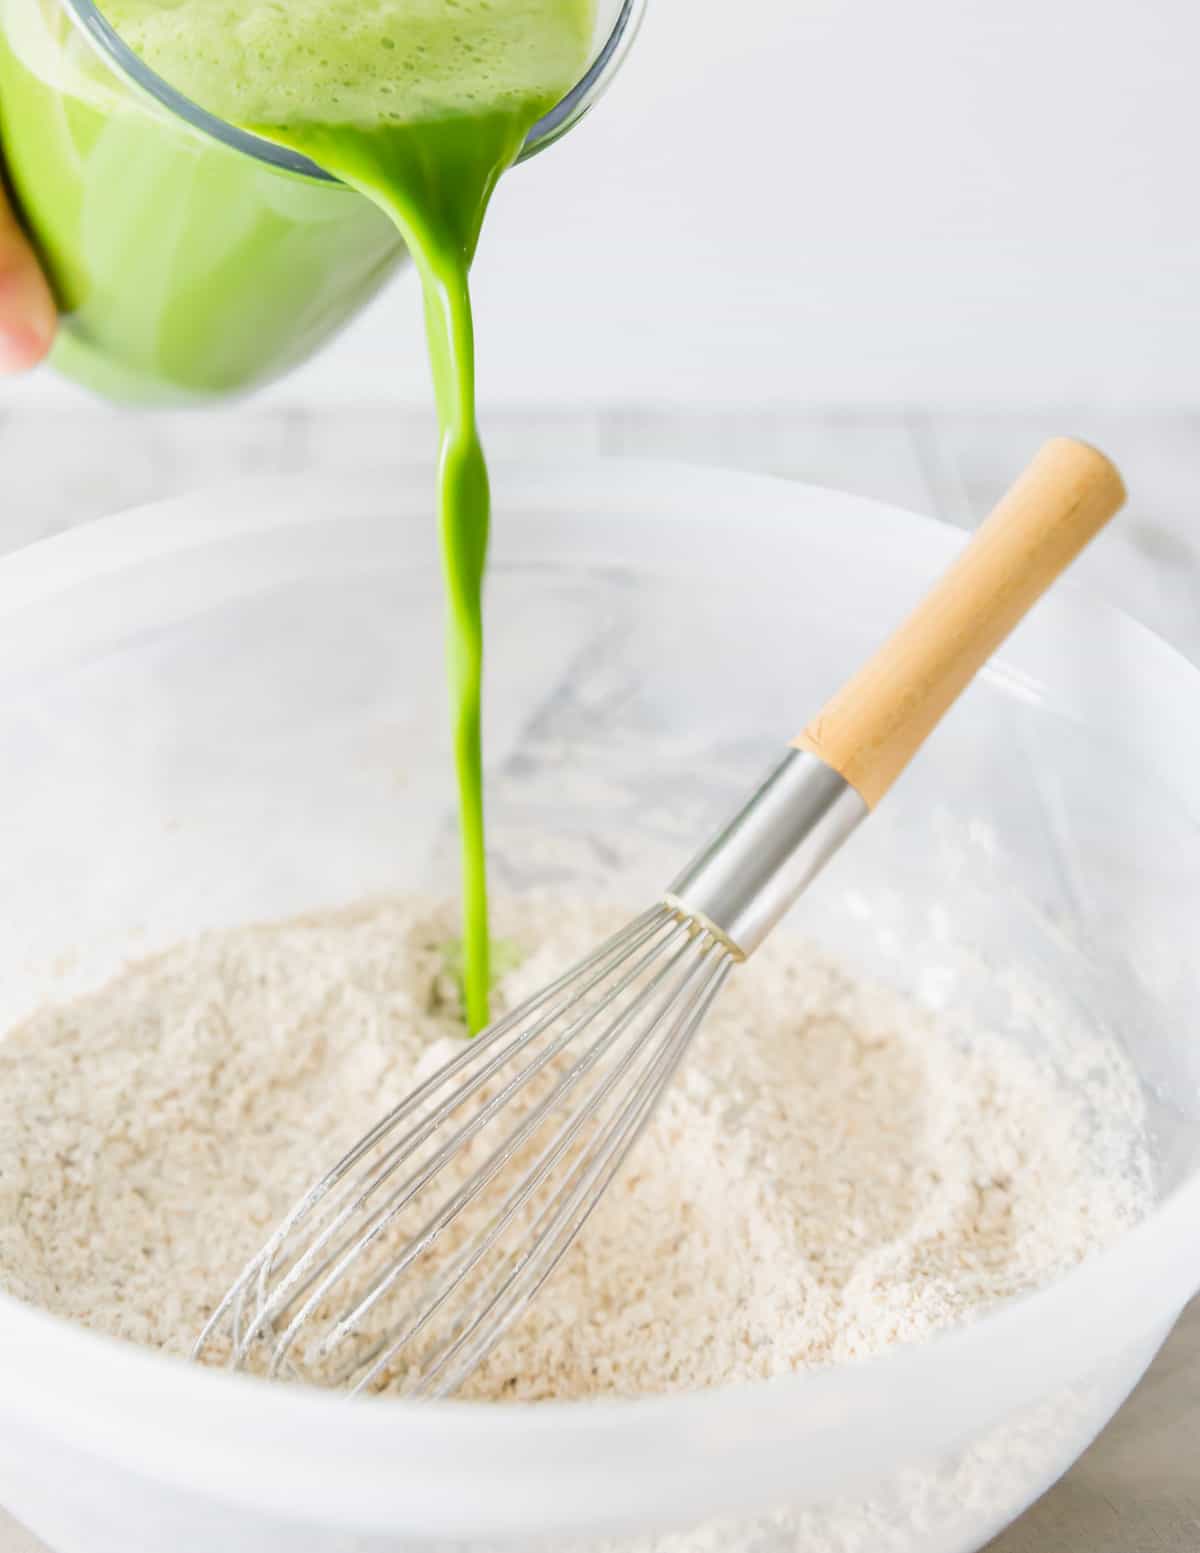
{"x": 420, "y": 105}
{"x": 434, "y": 182}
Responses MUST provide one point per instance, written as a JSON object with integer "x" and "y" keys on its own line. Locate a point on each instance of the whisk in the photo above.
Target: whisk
{"x": 404, "y": 1265}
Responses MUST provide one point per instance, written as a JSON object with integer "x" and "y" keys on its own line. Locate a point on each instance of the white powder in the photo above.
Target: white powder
{"x": 836, "y": 1171}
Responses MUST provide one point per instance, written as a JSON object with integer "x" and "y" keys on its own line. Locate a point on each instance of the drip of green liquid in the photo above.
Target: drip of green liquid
{"x": 420, "y": 105}
{"x": 434, "y": 182}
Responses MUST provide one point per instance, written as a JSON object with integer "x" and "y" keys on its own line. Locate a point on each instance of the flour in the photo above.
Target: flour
{"x": 835, "y": 1172}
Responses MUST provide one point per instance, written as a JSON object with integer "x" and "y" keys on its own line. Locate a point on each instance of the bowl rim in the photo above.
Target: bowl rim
{"x": 378, "y": 1464}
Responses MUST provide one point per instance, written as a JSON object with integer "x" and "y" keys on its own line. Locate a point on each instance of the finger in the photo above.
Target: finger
{"x": 27, "y": 312}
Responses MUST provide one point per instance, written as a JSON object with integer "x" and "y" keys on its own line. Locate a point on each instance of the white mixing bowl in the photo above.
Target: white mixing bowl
{"x": 232, "y": 707}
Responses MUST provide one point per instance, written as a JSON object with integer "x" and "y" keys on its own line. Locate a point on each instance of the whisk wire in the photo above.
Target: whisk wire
{"x": 387, "y": 1349}
{"x": 605, "y": 1040}
{"x": 494, "y": 1317}
{"x": 576, "y": 982}
{"x": 504, "y": 1153}
{"x": 345, "y": 1257}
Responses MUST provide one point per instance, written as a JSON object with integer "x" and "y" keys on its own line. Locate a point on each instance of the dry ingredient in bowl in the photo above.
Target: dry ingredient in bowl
{"x": 836, "y": 1170}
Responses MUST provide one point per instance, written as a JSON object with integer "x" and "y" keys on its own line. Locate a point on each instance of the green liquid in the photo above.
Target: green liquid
{"x": 420, "y": 105}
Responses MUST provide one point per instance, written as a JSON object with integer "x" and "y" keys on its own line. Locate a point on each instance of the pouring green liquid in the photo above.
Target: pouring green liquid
{"x": 420, "y": 105}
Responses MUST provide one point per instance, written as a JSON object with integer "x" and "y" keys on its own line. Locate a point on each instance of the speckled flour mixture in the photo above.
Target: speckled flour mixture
{"x": 836, "y": 1171}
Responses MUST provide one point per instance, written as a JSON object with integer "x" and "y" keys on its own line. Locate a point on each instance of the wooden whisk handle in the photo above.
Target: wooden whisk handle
{"x": 873, "y": 726}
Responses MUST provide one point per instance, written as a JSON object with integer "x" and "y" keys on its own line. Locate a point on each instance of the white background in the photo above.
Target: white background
{"x": 961, "y": 202}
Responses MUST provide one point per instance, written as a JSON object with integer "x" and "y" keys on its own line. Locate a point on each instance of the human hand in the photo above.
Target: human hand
{"x": 27, "y": 312}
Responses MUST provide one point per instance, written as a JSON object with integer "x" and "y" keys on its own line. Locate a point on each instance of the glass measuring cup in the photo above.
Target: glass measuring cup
{"x": 189, "y": 258}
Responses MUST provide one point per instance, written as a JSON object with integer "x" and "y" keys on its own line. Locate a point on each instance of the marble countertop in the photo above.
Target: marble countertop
{"x": 1138, "y": 1489}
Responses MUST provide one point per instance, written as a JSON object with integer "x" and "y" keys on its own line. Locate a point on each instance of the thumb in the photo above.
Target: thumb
{"x": 27, "y": 313}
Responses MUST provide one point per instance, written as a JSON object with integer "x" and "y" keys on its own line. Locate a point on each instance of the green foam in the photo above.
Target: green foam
{"x": 361, "y": 62}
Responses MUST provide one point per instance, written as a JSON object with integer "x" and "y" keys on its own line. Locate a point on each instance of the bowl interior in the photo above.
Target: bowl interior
{"x": 233, "y": 708}
{"x": 252, "y": 722}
